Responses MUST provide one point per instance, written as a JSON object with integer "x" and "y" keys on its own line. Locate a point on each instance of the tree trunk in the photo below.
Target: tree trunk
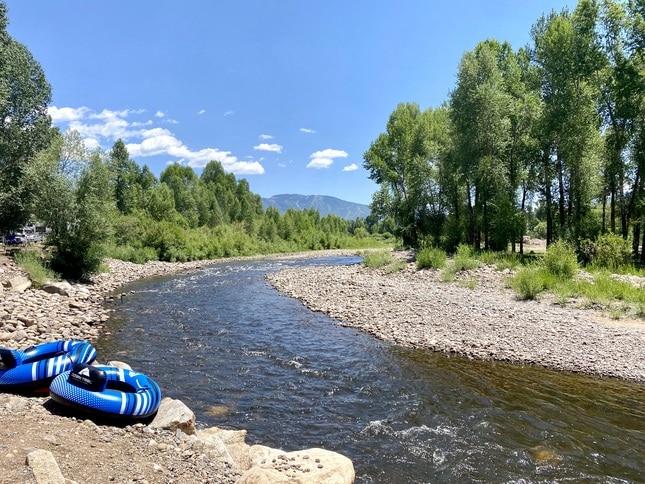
{"x": 561, "y": 201}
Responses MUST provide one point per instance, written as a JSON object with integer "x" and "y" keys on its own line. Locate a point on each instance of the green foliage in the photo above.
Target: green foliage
{"x": 36, "y": 267}
{"x": 561, "y": 260}
{"x": 611, "y": 251}
{"x": 528, "y": 282}
{"x": 25, "y": 127}
{"x": 431, "y": 257}
{"x": 377, "y": 259}
{"x": 464, "y": 259}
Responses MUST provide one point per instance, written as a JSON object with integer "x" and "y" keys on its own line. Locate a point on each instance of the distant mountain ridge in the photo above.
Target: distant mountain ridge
{"x": 322, "y": 203}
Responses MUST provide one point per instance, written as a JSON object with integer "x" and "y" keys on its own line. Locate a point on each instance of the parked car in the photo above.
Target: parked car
{"x": 15, "y": 239}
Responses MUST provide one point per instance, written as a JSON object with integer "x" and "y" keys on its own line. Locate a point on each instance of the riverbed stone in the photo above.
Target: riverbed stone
{"x": 310, "y": 466}
{"x": 63, "y": 288}
{"x": 44, "y": 467}
{"x": 174, "y": 415}
{"x": 18, "y": 284}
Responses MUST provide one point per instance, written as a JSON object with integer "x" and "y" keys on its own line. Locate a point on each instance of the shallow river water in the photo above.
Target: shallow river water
{"x": 242, "y": 356}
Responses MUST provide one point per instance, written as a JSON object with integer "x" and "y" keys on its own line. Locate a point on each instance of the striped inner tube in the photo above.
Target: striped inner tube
{"x": 32, "y": 369}
{"x": 107, "y": 391}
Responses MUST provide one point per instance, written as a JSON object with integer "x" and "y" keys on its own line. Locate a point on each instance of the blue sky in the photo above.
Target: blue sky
{"x": 288, "y": 94}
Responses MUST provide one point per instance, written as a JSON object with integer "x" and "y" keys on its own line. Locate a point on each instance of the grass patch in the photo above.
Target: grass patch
{"x": 529, "y": 282}
{"x": 377, "y": 259}
{"x": 464, "y": 259}
{"x": 36, "y": 267}
{"x": 561, "y": 260}
{"x": 383, "y": 259}
{"x": 431, "y": 258}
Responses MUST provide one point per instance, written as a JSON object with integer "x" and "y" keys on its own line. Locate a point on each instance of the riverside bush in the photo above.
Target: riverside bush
{"x": 611, "y": 252}
{"x": 463, "y": 259}
{"x": 560, "y": 260}
{"x": 431, "y": 257}
{"x": 377, "y": 259}
{"x": 35, "y": 267}
{"x": 528, "y": 282}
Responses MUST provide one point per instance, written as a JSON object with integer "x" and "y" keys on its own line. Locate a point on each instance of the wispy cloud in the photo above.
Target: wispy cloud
{"x": 325, "y": 158}
{"x": 201, "y": 111}
{"x": 265, "y": 136}
{"x": 307, "y": 130}
{"x": 351, "y": 167}
{"x": 159, "y": 114}
{"x": 268, "y": 147}
{"x": 228, "y": 113}
{"x": 143, "y": 139}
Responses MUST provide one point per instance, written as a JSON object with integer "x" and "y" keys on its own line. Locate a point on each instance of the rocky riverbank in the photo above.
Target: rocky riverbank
{"x": 41, "y": 443}
{"x": 476, "y": 316}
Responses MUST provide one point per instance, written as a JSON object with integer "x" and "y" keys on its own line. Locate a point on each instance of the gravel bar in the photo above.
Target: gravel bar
{"x": 476, "y": 316}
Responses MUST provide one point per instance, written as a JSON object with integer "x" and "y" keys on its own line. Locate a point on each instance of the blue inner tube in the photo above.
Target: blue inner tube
{"x": 107, "y": 391}
{"x": 34, "y": 368}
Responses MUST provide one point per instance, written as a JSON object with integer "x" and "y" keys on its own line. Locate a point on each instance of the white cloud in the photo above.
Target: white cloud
{"x": 265, "y": 136}
{"x": 351, "y": 167}
{"x": 228, "y": 113}
{"x": 159, "y": 114}
{"x": 62, "y": 115}
{"x": 201, "y": 111}
{"x": 268, "y": 147}
{"x": 307, "y": 130}
{"x": 103, "y": 128}
{"x": 329, "y": 153}
{"x": 320, "y": 163}
{"x": 325, "y": 158}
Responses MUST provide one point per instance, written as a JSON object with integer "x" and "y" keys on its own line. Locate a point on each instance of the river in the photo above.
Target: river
{"x": 243, "y": 356}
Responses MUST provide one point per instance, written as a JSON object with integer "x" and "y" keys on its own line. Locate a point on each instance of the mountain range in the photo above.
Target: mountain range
{"x": 322, "y": 203}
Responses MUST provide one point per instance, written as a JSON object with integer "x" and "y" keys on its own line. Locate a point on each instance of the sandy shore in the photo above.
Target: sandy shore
{"x": 476, "y": 316}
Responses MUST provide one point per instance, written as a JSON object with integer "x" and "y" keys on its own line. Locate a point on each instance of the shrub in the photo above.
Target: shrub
{"x": 560, "y": 260}
{"x": 37, "y": 269}
{"x": 611, "y": 252}
{"x": 463, "y": 259}
{"x": 431, "y": 257}
{"x": 377, "y": 259}
{"x": 527, "y": 283}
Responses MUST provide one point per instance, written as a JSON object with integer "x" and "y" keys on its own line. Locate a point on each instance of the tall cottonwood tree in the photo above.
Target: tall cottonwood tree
{"x": 403, "y": 160}
{"x": 480, "y": 108}
{"x": 568, "y": 60}
{"x": 25, "y": 127}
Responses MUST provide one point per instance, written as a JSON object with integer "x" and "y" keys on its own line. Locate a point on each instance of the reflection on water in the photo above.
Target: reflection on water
{"x": 243, "y": 356}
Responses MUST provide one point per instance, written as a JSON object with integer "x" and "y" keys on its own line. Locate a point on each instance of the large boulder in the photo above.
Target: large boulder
{"x": 18, "y": 284}
{"x": 174, "y": 415}
{"x": 228, "y": 446}
{"x": 63, "y": 288}
{"x": 311, "y": 466}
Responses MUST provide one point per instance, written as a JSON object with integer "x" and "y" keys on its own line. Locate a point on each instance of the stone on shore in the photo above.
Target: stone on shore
{"x": 44, "y": 467}
{"x": 18, "y": 284}
{"x": 174, "y": 415}
{"x": 63, "y": 288}
{"x": 311, "y": 466}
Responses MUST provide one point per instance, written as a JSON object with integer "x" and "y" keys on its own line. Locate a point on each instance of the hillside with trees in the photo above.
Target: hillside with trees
{"x": 545, "y": 140}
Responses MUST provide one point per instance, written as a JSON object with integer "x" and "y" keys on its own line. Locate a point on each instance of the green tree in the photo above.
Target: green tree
{"x": 480, "y": 108}
{"x": 127, "y": 179}
{"x": 568, "y": 60}
{"x": 404, "y": 162}
{"x": 25, "y": 127}
{"x": 76, "y": 201}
